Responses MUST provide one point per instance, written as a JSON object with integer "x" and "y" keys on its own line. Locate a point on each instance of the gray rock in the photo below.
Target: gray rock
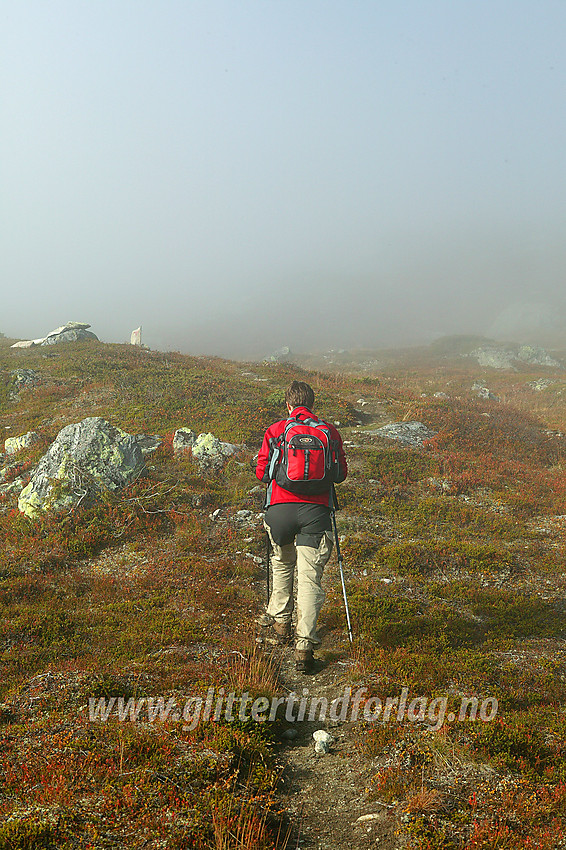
{"x": 12, "y": 445}
{"x": 148, "y": 443}
{"x": 210, "y": 452}
{"x": 24, "y": 378}
{"x": 407, "y": 433}
{"x": 290, "y": 734}
{"x": 484, "y": 392}
{"x": 508, "y": 358}
{"x": 71, "y": 332}
{"x": 11, "y": 486}
{"x": 444, "y": 485}
{"x": 322, "y": 741}
{"x": 257, "y": 559}
{"x": 71, "y": 335}
{"x": 537, "y": 356}
{"x": 441, "y": 395}
{"x": 183, "y": 439}
{"x": 69, "y": 326}
{"x": 541, "y": 384}
{"x": 495, "y": 358}
{"x": 85, "y": 460}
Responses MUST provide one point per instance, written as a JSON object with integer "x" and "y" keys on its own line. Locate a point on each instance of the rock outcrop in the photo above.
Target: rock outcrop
{"x": 16, "y": 444}
{"x": 71, "y": 332}
{"x": 537, "y": 356}
{"x": 407, "y": 433}
{"x": 21, "y": 379}
{"x": 183, "y": 439}
{"x": 85, "y": 460}
{"x": 148, "y": 443}
{"x": 484, "y": 392}
{"x": 210, "y": 452}
{"x": 495, "y": 358}
{"x": 511, "y": 357}
{"x": 541, "y": 384}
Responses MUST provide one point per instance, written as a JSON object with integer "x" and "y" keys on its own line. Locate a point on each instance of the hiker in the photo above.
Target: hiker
{"x": 299, "y": 500}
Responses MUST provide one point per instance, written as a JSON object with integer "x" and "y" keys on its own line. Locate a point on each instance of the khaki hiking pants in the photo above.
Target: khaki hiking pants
{"x": 310, "y": 563}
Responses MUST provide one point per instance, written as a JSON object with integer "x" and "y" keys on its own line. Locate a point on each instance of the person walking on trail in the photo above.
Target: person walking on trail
{"x": 300, "y": 460}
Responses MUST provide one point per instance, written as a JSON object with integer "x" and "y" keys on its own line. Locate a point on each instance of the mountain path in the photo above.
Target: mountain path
{"x": 326, "y": 794}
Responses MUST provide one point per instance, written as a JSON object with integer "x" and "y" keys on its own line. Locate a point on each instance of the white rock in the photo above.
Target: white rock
{"x": 16, "y": 444}
{"x": 183, "y": 439}
{"x": 148, "y": 443}
{"x": 24, "y": 343}
{"x": 11, "y": 487}
{"x": 322, "y": 736}
{"x": 210, "y": 452}
{"x": 406, "y": 433}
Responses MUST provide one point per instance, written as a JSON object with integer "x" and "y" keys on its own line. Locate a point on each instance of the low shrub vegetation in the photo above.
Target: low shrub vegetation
{"x": 455, "y": 565}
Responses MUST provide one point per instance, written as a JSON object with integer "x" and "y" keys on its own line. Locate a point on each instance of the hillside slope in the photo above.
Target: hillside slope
{"x": 455, "y": 567}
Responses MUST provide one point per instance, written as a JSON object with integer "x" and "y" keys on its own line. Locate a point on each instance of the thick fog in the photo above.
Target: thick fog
{"x": 238, "y": 176}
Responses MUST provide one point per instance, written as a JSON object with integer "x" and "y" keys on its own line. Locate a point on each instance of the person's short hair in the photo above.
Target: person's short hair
{"x": 299, "y": 394}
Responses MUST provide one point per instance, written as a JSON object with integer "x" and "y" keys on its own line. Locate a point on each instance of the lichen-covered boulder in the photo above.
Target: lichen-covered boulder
{"x": 22, "y": 379}
{"x": 70, "y": 335}
{"x": 210, "y": 452}
{"x": 407, "y": 433}
{"x": 12, "y": 445}
{"x": 85, "y": 460}
{"x": 71, "y": 332}
{"x": 183, "y": 439}
{"x": 148, "y": 443}
{"x": 484, "y": 392}
{"x": 495, "y": 358}
{"x": 537, "y": 356}
{"x": 11, "y": 487}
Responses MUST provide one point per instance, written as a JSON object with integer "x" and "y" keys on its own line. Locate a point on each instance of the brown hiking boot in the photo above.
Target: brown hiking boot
{"x": 281, "y": 628}
{"x": 265, "y": 620}
{"x": 283, "y": 631}
{"x": 304, "y": 661}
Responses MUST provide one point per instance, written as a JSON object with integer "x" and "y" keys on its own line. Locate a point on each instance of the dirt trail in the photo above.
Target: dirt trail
{"x": 325, "y": 794}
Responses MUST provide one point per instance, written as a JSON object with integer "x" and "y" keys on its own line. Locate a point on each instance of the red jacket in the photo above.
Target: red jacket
{"x": 277, "y": 495}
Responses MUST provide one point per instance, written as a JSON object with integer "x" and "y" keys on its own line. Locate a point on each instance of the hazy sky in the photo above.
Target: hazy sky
{"x": 235, "y": 176}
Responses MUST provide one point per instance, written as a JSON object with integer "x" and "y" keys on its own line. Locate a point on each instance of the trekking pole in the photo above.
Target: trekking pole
{"x": 267, "y": 560}
{"x": 339, "y": 554}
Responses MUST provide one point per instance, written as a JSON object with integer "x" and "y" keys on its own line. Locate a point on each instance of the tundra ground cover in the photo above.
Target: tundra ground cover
{"x": 455, "y": 562}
